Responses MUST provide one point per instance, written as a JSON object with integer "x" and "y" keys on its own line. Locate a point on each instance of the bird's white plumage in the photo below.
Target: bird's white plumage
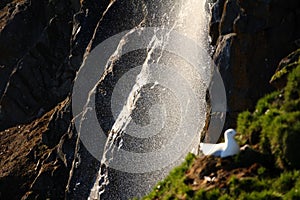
{"x": 227, "y": 148}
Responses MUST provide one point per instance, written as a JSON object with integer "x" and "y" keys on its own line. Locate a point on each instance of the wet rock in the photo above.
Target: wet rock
{"x": 230, "y": 12}
{"x": 252, "y": 37}
{"x": 216, "y": 14}
{"x": 48, "y": 183}
{"x": 38, "y": 65}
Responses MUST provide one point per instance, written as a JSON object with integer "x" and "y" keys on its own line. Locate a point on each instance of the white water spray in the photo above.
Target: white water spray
{"x": 165, "y": 68}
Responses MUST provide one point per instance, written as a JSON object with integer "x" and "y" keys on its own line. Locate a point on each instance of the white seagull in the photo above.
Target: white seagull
{"x": 229, "y": 148}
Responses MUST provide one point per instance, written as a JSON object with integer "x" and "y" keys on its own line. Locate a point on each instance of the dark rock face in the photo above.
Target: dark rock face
{"x": 43, "y": 44}
{"x": 34, "y": 72}
{"x": 37, "y": 71}
{"x": 250, "y": 38}
{"x": 29, "y": 168}
{"x": 216, "y": 14}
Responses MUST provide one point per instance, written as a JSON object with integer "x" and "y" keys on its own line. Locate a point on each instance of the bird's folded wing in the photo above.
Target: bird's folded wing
{"x": 212, "y": 149}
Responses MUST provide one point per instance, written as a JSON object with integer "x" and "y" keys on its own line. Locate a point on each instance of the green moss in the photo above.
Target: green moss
{"x": 252, "y": 124}
{"x": 275, "y": 127}
{"x": 294, "y": 193}
{"x": 173, "y": 186}
{"x": 270, "y": 101}
{"x": 292, "y": 91}
{"x": 287, "y": 181}
{"x": 207, "y": 195}
{"x": 284, "y": 68}
{"x": 226, "y": 197}
{"x": 285, "y": 186}
{"x": 283, "y": 72}
{"x": 275, "y": 122}
{"x": 239, "y": 187}
{"x": 262, "y": 195}
{"x": 244, "y": 121}
{"x": 261, "y": 171}
{"x": 285, "y": 139}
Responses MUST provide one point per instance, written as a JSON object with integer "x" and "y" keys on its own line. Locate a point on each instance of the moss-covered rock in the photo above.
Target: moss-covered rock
{"x": 225, "y": 181}
{"x": 273, "y": 129}
{"x": 279, "y": 79}
{"x": 275, "y": 123}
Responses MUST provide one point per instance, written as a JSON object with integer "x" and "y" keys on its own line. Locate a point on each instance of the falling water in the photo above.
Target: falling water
{"x": 165, "y": 101}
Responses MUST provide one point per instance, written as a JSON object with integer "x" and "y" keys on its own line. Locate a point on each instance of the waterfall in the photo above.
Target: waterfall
{"x": 158, "y": 105}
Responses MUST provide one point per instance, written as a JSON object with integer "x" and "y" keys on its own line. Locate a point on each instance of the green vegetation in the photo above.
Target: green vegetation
{"x": 173, "y": 185}
{"x": 285, "y": 186}
{"x": 286, "y": 67}
{"x": 276, "y": 121}
{"x": 266, "y": 188}
{"x": 273, "y": 129}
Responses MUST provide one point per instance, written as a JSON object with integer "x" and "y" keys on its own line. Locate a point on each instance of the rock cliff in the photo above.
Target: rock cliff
{"x": 42, "y": 45}
{"x": 250, "y": 38}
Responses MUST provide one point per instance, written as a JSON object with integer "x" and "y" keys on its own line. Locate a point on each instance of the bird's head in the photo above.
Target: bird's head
{"x": 230, "y": 133}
